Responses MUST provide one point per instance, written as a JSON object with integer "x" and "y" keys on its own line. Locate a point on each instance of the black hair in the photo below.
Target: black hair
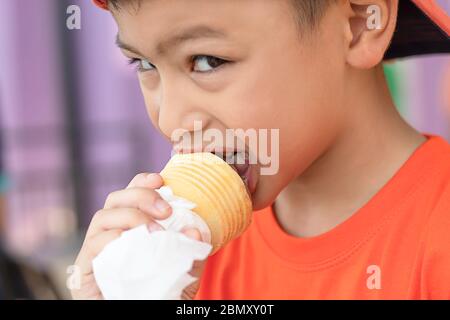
{"x": 308, "y": 12}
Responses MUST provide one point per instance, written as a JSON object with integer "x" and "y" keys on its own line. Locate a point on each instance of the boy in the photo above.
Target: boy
{"x": 360, "y": 206}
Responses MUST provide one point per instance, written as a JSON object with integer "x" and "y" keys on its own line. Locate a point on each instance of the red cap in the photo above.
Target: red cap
{"x": 423, "y": 27}
{"x": 435, "y": 13}
{"x": 102, "y": 4}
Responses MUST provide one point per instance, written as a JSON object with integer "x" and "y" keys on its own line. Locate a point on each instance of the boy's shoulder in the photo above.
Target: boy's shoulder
{"x": 436, "y": 243}
{"x": 436, "y": 246}
{"x": 433, "y": 185}
{"x": 432, "y": 166}
{"x": 440, "y": 175}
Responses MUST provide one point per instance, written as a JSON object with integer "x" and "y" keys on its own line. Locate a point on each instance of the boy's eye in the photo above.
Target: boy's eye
{"x": 202, "y": 64}
{"x": 207, "y": 63}
{"x": 142, "y": 64}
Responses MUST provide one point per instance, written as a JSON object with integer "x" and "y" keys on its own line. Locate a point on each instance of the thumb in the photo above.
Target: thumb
{"x": 193, "y": 233}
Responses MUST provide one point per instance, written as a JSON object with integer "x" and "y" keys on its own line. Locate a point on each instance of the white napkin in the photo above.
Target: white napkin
{"x": 144, "y": 265}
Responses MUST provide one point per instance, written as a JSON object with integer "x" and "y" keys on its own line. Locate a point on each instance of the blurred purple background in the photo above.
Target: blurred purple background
{"x": 73, "y": 121}
{"x": 74, "y": 126}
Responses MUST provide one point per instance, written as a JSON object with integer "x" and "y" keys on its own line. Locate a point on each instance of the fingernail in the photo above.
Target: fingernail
{"x": 154, "y": 227}
{"x": 161, "y": 205}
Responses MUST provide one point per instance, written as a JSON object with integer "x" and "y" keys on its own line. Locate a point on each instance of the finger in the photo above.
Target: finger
{"x": 146, "y": 200}
{"x": 146, "y": 180}
{"x": 88, "y": 289}
{"x": 190, "y": 291}
{"x": 197, "y": 268}
{"x": 119, "y": 218}
{"x": 193, "y": 233}
{"x": 92, "y": 247}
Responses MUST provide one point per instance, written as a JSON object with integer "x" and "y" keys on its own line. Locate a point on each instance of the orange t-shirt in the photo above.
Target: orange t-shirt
{"x": 397, "y": 246}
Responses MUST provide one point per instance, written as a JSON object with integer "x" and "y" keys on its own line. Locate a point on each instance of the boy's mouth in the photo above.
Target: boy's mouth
{"x": 239, "y": 161}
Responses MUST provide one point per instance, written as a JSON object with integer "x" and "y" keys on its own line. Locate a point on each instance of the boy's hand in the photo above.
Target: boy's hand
{"x": 125, "y": 209}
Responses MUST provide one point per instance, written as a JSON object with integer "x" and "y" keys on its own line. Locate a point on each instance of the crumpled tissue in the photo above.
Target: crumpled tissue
{"x": 140, "y": 265}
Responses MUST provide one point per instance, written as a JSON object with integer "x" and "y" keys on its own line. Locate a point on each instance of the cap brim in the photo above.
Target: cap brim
{"x": 417, "y": 33}
{"x": 101, "y": 3}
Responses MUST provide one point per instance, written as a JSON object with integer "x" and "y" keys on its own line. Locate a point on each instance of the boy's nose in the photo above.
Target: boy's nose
{"x": 180, "y": 111}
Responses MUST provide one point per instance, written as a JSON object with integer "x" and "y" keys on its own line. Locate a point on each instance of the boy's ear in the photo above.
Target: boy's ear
{"x": 371, "y": 26}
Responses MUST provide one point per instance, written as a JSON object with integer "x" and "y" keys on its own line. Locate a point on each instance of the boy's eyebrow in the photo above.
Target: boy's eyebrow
{"x": 196, "y": 32}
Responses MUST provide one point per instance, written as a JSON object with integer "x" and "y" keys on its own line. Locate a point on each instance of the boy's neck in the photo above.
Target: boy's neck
{"x": 375, "y": 143}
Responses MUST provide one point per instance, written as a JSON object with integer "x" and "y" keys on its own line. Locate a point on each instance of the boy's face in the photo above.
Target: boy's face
{"x": 244, "y": 66}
